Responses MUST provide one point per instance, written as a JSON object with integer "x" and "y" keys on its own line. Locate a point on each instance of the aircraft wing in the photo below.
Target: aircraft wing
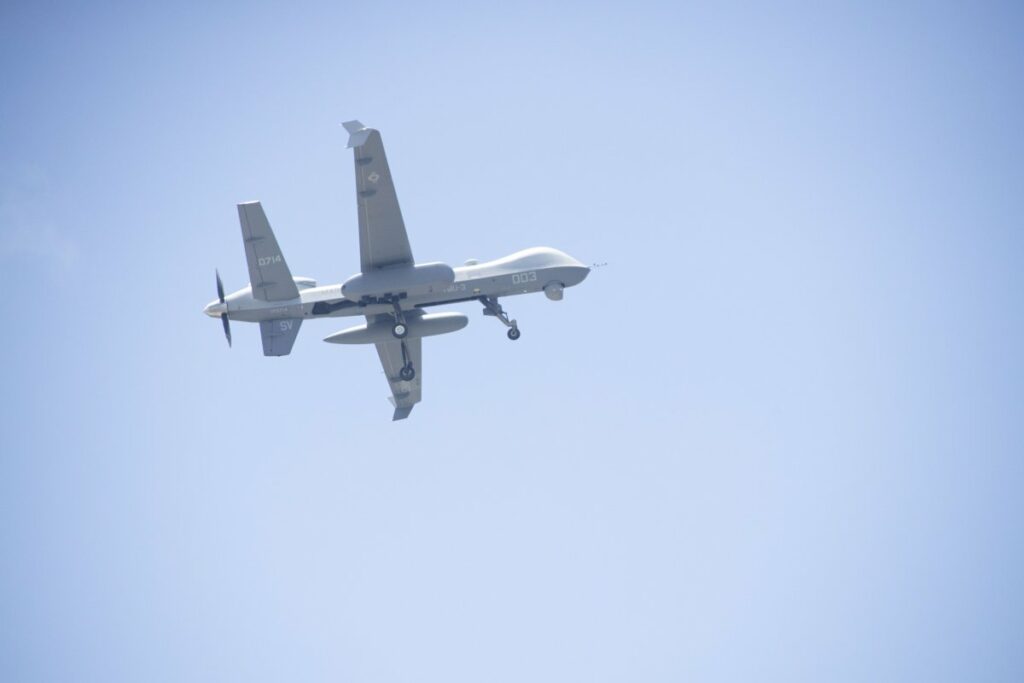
{"x": 269, "y": 275}
{"x": 383, "y": 241}
{"x": 404, "y": 395}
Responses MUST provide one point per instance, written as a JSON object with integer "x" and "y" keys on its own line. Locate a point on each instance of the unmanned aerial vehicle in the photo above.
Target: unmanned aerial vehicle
{"x": 392, "y": 291}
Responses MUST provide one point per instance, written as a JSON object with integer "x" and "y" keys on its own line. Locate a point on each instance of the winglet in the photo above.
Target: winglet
{"x": 357, "y": 133}
{"x": 401, "y": 412}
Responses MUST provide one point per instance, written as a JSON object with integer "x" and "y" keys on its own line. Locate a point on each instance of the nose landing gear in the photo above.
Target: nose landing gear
{"x": 492, "y": 307}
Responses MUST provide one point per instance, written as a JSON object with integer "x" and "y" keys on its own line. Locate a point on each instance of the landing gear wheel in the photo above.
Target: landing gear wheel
{"x": 407, "y": 373}
{"x": 399, "y": 330}
{"x": 492, "y": 307}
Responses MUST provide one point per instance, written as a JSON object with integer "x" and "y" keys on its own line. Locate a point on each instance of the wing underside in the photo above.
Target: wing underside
{"x": 404, "y": 395}
{"x": 383, "y": 241}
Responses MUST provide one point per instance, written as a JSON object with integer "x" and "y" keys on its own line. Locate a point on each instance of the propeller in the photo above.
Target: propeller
{"x": 223, "y": 316}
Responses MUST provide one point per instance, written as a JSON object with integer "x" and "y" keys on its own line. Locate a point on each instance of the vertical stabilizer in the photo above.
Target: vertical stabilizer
{"x": 279, "y": 335}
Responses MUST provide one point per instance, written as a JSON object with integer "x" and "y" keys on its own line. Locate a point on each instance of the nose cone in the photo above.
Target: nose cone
{"x": 579, "y": 271}
{"x": 215, "y": 308}
{"x": 580, "y": 274}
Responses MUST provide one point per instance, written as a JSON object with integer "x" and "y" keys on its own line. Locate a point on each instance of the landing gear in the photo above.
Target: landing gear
{"x": 492, "y": 307}
{"x": 399, "y": 329}
{"x": 408, "y": 372}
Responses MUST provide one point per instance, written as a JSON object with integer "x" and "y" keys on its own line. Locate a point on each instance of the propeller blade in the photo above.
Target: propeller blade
{"x": 220, "y": 287}
{"x": 227, "y": 327}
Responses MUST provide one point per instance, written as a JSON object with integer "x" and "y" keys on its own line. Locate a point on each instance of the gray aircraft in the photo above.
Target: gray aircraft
{"x": 392, "y": 290}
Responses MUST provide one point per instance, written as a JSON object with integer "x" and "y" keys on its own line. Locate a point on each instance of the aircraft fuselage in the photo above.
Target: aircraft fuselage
{"x": 531, "y": 270}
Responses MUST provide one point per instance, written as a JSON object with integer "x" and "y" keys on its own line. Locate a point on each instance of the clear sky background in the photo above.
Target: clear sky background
{"x": 779, "y": 437}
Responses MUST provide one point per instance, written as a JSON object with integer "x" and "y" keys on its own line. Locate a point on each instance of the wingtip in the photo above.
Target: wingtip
{"x": 401, "y": 413}
{"x": 357, "y": 133}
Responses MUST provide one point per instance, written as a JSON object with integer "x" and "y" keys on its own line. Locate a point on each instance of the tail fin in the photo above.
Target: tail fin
{"x": 269, "y": 275}
{"x": 279, "y": 335}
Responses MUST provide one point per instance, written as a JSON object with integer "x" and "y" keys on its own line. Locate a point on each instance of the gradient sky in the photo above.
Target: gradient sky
{"x": 779, "y": 437}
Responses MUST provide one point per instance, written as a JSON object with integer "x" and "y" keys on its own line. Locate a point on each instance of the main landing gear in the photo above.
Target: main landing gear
{"x": 492, "y": 307}
{"x": 408, "y": 372}
{"x": 400, "y": 331}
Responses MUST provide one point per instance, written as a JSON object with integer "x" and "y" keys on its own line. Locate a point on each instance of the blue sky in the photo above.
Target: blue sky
{"x": 778, "y": 437}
